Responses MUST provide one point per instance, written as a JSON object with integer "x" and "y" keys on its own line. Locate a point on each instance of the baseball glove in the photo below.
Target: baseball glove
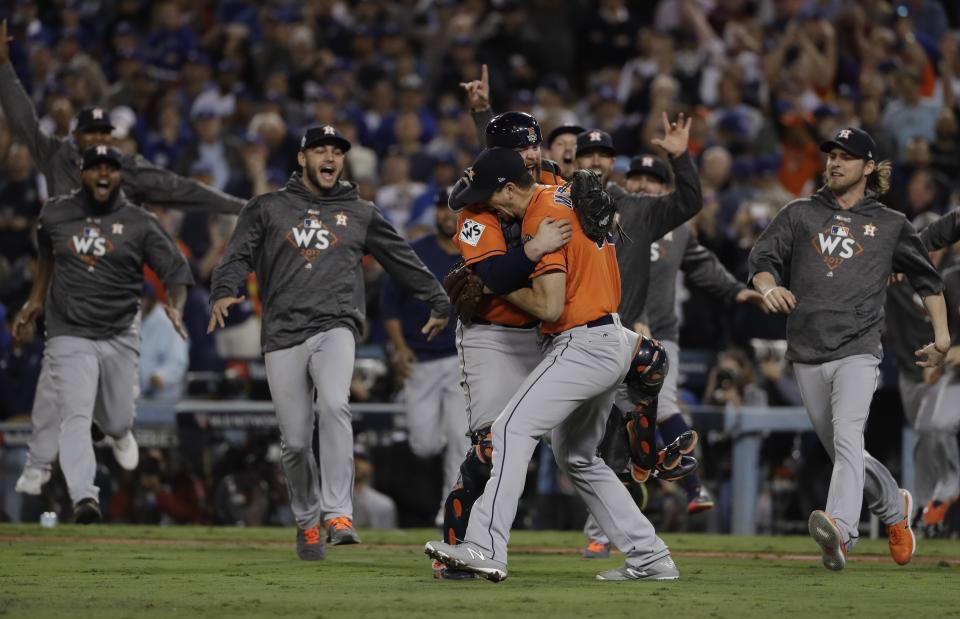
{"x": 464, "y": 289}
{"x": 594, "y": 206}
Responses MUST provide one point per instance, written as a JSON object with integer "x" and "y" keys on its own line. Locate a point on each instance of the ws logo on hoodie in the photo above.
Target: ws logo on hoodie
{"x": 311, "y": 237}
{"x": 835, "y": 245}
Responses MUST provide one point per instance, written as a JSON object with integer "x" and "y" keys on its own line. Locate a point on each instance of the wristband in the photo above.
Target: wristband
{"x": 769, "y": 291}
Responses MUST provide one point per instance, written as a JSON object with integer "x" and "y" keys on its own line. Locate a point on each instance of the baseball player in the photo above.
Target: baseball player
{"x": 675, "y": 251}
{"x": 587, "y": 354}
{"x": 97, "y": 243}
{"x": 141, "y": 182}
{"x": 926, "y": 405}
{"x": 430, "y": 370}
{"x": 305, "y": 243}
{"x": 825, "y": 260}
{"x": 562, "y": 148}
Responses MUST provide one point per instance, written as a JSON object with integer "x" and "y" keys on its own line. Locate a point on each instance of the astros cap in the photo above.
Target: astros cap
{"x": 855, "y": 141}
{"x": 324, "y": 134}
{"x": 649, "y": 165}
{"x": 93, "y": 119}
{"x": 99, "y": 154}
{"x": 594, "y": 139}
{"x": 491, "y": 170}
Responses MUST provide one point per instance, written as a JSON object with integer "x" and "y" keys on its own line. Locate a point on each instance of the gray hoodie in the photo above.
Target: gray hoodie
{"x": 59, "y": 161}
{"x": 837, "y": 262}
{"x": 306, "y": 251}
{"x": 98, "y": 253}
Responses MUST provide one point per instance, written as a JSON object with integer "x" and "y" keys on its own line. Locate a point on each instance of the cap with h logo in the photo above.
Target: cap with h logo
{"x": 649, "y": 165}
{"x": 101, "y": 153}
{"x": 855, "y": 141}
{"x": 93, "y": 119}
{"x": 491, "y": 170}
{"x": 324, "y": 134}
{"x": 595, "y": 140}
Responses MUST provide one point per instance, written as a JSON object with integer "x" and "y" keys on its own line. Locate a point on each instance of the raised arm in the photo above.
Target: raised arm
{"x": 478, "y": 98}
{"x": 147, "y": 183}
{"x": 942, "y": 233}
{"x": 19, "y": 110}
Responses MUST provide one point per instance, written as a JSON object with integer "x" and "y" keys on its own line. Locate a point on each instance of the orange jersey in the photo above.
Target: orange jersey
{"x": 550, "y": 173}
{"x": 593, "y": 278}
{"x": 479, "y": 236}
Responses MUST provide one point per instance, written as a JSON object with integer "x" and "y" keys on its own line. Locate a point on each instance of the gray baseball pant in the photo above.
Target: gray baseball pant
{"x": 44, "y": 423}
{"x": 310, "y": 382}
{"x": 568, "y": 394}
{"x": 86, "y": 375}
{"x": 494, "y": 361}
{"x": 917, "y": 397}
{"x": 937, "y": 424}
{"x": 837, "y": 397}
{"x": 435, "y": 414}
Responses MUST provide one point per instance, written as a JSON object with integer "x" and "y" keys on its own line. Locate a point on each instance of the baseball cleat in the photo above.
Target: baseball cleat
{"x": 701, "y": 501}
{"x": 934, "y": 512}
{"x": 596, "y": 550}
{"x": 31, "y": 481}
{"x": 87, "y": 511}
{"x": 126, "y": 451}
{"x": 468, "y": 557}
{"x": 340, "y": 531}
{"x": 443, "y": 572}
{"x": 664, "y": 569}
{"x": 309, "y": 544}
{"x": 900, "y": 536}
{"x": 823, "y": 529}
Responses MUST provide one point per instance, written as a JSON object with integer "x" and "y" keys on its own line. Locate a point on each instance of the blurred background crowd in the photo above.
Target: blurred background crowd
{"x": 220, "y": 91}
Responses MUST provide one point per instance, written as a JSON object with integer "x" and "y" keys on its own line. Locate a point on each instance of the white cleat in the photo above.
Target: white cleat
{"x": 126, "y": 451}
{"x": 31, "y": 481}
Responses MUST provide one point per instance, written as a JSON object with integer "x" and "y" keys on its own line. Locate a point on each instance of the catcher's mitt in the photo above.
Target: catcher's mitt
{"x": 464, "y": 289}
{"x": 594, "y": 206}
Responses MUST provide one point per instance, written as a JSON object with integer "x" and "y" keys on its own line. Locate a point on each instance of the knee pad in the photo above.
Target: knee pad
{"x": 648, "y": 370}
{"x": 474, "y": 473}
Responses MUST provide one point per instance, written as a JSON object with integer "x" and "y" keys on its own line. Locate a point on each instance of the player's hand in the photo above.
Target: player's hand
{"x": 643, "y": 329}
{"x": 751, "y": 296}
{"x": 174, "y": 315}
{"x": 895, "y": 278}
{"x": 779, "y": 300}
{"x": 219, "y": 311}
{"x": 402, "y": 360}
{"x": 478, "y": 91}
{"x": 552, "y": 234}
{"x": 156, "y": 382}
{"x": 434, "y": 326}
{"x": 25, "y": 323}
{"x": 676, "y": 136}
{"x": 4, "y": 43}
{"x": 953, "y": 356}
{"x": 930, "y": 357}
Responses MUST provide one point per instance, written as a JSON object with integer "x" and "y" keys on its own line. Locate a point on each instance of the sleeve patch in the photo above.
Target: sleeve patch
{"x": 471, "y": 231}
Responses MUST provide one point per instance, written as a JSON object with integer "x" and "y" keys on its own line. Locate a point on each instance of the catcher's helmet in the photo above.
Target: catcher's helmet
{"x": 513, "y": 130}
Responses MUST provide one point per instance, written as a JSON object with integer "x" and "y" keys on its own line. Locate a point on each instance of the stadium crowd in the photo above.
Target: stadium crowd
{"x": 221, "y": 91}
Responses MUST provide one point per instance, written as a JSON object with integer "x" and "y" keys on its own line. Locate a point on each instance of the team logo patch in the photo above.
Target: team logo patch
{"x": 869, "y": 230}
{"x": 471, "y": 231}
{"x": 531, "y": 135}
{"x": 311, "y": 237}
{"x": 835, "y": 245}
{"x": 90, "y": 245}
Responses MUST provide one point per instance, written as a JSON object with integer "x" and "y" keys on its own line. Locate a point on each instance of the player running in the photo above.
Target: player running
{"x": 825, "y": 260}
{"x": 305, "y": 243}
{"x": 95, "y": 244}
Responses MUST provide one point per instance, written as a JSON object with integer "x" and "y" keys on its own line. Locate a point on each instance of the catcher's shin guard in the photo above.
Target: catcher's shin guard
{"x": 474, "y": 473}
{"x": 644, "y": 381}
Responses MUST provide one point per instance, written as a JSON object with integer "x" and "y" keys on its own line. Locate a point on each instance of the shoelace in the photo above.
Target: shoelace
{"x": 340, "y": 523}
{"x": 312, "y": 535}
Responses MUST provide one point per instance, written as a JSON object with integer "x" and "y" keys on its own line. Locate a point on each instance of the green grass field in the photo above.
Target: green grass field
{"x": 113, "y": 571}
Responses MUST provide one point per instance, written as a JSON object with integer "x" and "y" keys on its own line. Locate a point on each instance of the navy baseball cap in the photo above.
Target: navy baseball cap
{"x": 491, "y": 170}
{"x": 855, "y": 141}
{"x": 93, "y": 119}
{"x": 650, "y": 165}
{"x": 101, "y": 153}
{"x": 594, "y": 139}
{"x": 324, "y": 134}
{"x": 563, "y": 130}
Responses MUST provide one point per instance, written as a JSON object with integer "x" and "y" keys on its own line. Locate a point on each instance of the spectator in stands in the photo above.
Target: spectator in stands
{"x": 372, "y": 509}
{"x": 909, "y": 115}
{"x": 398, "y": 191}
{"x": 20, "y": 202}
{"x": 223, "y": 153}
{"x": 163, "y": 354}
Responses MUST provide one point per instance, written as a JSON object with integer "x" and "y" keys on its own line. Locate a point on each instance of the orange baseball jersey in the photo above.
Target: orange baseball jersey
{"x": 479, "y": 236}
{"x": 593, "y": 278}
{"x": 550, "y": 173}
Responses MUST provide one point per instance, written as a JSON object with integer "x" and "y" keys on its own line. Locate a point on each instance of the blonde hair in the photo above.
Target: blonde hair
{"x": 879, "y": 180}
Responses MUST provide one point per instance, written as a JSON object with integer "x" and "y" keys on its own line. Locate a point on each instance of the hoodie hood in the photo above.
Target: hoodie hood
{"x": 342, "y": 191}
{"x": 869, "y": 201}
